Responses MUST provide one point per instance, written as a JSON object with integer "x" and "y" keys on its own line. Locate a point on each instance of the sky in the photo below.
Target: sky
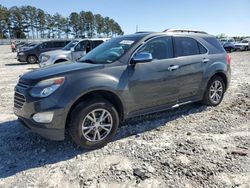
{"x": 231, "y": 17}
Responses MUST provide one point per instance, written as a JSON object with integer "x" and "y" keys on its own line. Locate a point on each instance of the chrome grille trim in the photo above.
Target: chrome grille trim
{"x": 19, "y": 100}
{"x": 22, "y": 85}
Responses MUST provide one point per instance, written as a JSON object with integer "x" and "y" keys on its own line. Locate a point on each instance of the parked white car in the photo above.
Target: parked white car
{"x": 243, "y": 45}
{"x": 73, "y": 51}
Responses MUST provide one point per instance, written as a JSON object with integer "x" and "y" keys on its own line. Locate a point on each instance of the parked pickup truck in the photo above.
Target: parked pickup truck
{"x": 71, "y": 52}
{"x": 243, "y": 45}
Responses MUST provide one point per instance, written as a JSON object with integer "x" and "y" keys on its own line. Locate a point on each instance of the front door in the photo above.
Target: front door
{"x": 152, "y": 84}
{"x": 79, "y": 50}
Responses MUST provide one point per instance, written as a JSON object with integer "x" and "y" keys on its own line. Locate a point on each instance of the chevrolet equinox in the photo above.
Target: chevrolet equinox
{"x": 122, "y": 78}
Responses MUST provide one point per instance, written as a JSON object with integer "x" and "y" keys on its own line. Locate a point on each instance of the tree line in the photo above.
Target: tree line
{"x": 31, "y": 22}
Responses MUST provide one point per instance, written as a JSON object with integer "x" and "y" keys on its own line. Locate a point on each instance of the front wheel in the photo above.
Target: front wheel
{"x": 32, "y": 59}
{"x": 214, "y": 92}
{"x": 93, "y": 123}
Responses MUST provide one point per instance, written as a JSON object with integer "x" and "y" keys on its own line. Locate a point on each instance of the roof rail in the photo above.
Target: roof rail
{"x": 184, "y": 31}
{"x": 144, "y": 32}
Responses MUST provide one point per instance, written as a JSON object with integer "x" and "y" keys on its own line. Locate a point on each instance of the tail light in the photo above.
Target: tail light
{"x": 229, "y": 59}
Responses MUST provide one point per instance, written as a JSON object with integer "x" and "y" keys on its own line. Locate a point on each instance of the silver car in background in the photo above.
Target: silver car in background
{"x": 71, "y": 52}
{"x": 243, "y": 45}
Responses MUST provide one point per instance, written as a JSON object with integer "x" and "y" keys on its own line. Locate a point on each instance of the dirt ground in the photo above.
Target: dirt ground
{"x": 191, "y": 146}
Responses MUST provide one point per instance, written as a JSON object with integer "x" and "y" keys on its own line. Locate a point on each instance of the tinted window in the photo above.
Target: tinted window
{"x": 202, "y": 49}
{"x": 58, "y": 44}
{"x": 160, "y": 48}
{"x": 96, "y": 43}
{"x": 244, "y": 41}
{"x": 185, "y": 46}
{"x": 217, "y": 47}
{"x": 46, "y": 45}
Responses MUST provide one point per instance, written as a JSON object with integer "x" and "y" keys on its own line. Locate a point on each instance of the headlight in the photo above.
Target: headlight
{"x": 21, "y": 53}
{"x": 45, "y": 88}
{"x": 45, "y": 58}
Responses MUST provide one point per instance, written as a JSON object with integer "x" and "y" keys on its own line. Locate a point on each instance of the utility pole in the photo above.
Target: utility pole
{"x": 136, "y": 28}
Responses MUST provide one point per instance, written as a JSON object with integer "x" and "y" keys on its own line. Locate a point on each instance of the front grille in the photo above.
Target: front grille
{"x": 19, "y": 100}
{"x": 22, "y": 85}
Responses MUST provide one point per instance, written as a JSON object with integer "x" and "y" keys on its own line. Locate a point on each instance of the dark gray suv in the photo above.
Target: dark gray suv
{"x": 122, "y": 78}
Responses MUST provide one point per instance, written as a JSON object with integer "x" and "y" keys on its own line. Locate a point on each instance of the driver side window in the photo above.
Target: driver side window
{"x": 80, "y": 46}
{"x": 160, "y": 48}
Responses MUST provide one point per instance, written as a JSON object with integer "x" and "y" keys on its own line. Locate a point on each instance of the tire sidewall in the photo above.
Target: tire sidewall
{"x": 32, "y": 56}
{"x": 83, "y": 111}
{"x": 216, "y": 78}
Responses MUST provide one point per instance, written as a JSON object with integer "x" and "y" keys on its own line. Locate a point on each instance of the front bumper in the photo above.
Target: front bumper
{"x": 28, "y": 106}
{"x": 51, "y": 134}
{"x": 53, "y": 131}
{"x": 45, "y": 63}
{"x": 21, "y": 58}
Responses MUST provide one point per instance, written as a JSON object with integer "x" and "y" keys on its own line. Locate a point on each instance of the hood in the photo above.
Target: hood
{"x": 56, "y": 52}
{"x": 61, "y": 69}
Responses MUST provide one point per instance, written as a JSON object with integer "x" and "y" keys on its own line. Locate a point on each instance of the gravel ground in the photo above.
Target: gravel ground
{"x": 192, "y": 146}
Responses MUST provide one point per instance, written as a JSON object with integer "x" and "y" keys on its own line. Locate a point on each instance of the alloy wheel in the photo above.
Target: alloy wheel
{"x": 97, "y": 125}
{"x": 216, "y": 91}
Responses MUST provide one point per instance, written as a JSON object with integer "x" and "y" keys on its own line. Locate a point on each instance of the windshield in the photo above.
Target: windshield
{"x": 70, "y": 45}
{"x": 110, "y": 51}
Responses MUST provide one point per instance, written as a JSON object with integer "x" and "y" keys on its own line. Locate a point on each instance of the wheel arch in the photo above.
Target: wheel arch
{"x": 60, "y": 60}
{"x": 222, "y": 75}
{"x": 105, "y": 94}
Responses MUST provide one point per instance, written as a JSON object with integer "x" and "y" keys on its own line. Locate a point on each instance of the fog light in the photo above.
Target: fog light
{"x": 43, "y": 117}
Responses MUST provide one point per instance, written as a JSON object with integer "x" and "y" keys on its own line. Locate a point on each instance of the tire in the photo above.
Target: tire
{"x": 209, "y": 98}
{"x": 81, "y": 118}
{"x": 32, "y": 59}
{"x": 246, "y": 48}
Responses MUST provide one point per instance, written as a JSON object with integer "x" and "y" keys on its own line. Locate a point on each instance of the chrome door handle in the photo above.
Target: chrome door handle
{"x": 173, "y": 67}
{"x": 205, "y": 60}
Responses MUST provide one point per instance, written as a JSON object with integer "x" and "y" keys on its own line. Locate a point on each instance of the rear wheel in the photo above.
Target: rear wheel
{"x": 93, "y": 123}
{"x": 214, "y": 92}
{"x": 32, "y": 59}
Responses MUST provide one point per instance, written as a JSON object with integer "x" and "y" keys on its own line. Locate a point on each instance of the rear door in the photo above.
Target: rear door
{"x": 46, "y": 46}
{"x": 191, "y": 59}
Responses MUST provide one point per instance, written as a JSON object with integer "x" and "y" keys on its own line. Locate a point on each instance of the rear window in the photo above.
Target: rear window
{"x": 185, "y": 46}
{"x": 58, "y": 44}
{"x": 216, "y": 46}
{"x": 202, "y": 49}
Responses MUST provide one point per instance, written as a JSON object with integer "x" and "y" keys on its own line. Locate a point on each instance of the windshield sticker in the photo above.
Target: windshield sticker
{"x": 128, "y": 42}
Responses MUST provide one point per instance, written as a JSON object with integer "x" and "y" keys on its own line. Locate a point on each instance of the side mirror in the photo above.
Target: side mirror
{"x": 72, "y": 49}
{"x": 142, "y": 57}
